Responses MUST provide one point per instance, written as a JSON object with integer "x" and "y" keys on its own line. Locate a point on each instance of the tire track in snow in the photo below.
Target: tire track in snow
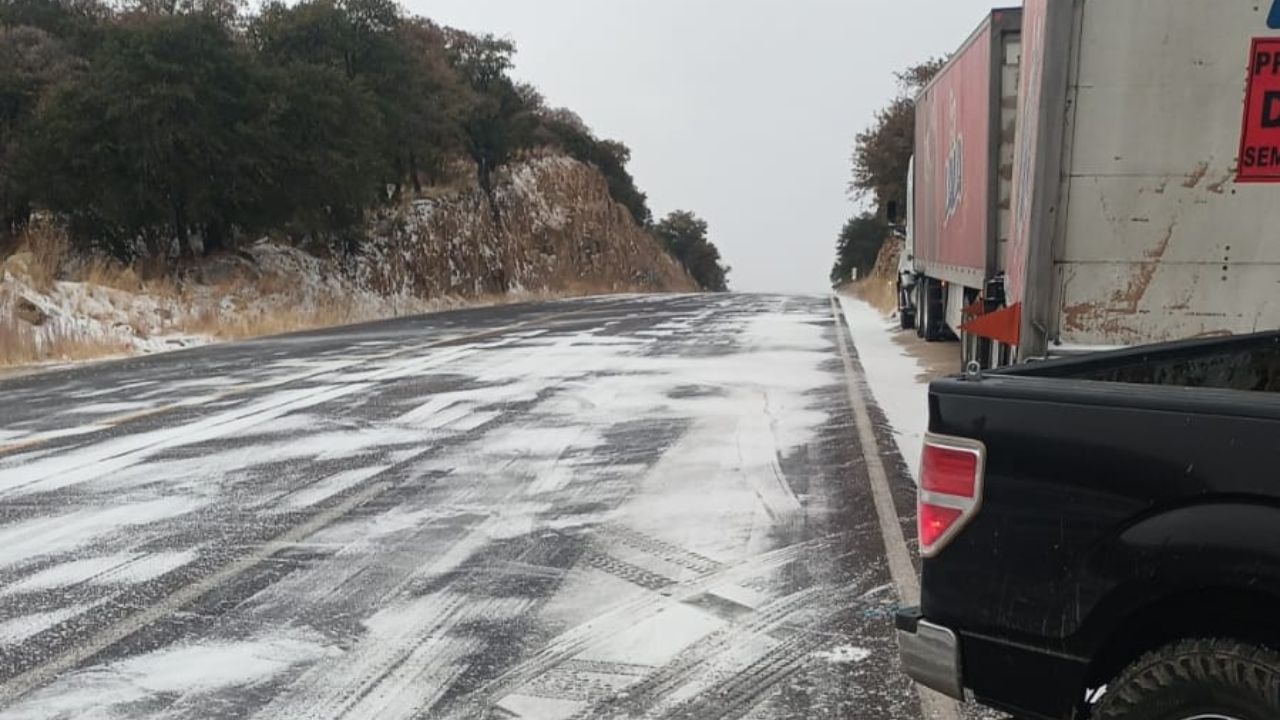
{"x": 401, "y": 674}
{"x": 29, "y": 680}
{"x": 660, "y": 549}
{"x": 644, "y": 698}
{"x": 409, "y": 662}
{"x": 603, "y": 627}
{"x": 733, "y": 697}
{"x": 30, "y": 441}
{"x": 633, "y": 574}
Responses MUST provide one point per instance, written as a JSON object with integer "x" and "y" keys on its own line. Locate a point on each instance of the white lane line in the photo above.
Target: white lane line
{"x": 41, "y": 675}
{"x": 932, "y": 705}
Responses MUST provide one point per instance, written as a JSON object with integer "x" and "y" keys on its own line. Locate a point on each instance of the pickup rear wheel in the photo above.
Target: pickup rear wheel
{"x": 1197, "y": 680}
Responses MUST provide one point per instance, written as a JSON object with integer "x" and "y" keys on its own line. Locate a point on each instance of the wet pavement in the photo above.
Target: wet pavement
{"x": 629, "y": 507}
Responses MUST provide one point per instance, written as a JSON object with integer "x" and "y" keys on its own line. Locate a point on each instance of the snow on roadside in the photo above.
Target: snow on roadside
{"x": 893, "y": 375}
{"x": 108, "y": 317}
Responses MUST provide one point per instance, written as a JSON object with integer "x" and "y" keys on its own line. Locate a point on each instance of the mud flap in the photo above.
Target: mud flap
{"x": 1003, "y": 326}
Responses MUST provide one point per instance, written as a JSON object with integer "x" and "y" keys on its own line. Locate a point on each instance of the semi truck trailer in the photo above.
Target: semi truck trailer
{"x": 1141, "y": 206}
{"x": 958, "y": 215}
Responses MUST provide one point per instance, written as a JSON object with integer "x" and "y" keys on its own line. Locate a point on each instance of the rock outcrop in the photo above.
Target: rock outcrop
{"x": 550, "y": 226}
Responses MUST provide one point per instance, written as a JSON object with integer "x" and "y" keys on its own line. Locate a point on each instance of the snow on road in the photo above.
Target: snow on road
{"x": 894, "y": 376}
{"x": 648, "y": 507}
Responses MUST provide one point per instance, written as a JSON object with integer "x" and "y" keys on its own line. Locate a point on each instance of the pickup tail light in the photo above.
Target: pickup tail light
{"x": 950, "y": 493}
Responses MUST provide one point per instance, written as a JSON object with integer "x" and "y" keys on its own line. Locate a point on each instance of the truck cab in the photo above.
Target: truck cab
{"x": 907, "y": 273}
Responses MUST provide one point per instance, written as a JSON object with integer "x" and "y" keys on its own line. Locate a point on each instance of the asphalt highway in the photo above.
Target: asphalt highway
{"x": 624, "y": 507}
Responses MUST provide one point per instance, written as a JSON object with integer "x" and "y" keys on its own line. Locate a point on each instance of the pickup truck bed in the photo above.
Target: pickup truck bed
{"x": 1127, "y": 501}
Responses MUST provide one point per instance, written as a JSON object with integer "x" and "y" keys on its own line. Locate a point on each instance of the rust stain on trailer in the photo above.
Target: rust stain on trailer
{"x": 1124, "y": 302}
{"x": 1075, "y": 317}
{"x": 1214, "y": 334}
{"x": 1128, "y": 299}
{"x": 1193, "y": 180}
{"x": 1220, "y": 184}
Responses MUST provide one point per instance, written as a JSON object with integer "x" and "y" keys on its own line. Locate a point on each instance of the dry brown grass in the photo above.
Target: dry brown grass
{"x": 48, "y": 248}
{"x": 17, "y": 341}
{"x": 877, "y": 292}
{"x": 69, "y": 347}
{"x": 22, "y": 344}
{"x": 332, "y": 311}
{"x": 106, "y": 272}
{"x": 275, "y": 284}
{"x": 204, "y": 320}
{"x": 880, "y": 287}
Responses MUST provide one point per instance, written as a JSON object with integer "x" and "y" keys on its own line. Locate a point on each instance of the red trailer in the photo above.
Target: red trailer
{"x": 961, "y": 185}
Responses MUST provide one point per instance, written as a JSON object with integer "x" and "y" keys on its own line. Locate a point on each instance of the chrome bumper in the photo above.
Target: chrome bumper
{"x": 930, "y": 653}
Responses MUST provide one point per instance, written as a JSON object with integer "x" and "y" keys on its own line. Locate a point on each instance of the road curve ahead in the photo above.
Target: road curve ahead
{"x": 629, "y": 507}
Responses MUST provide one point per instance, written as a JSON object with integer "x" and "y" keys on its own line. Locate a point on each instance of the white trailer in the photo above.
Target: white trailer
{"x": 1143, "y": 206}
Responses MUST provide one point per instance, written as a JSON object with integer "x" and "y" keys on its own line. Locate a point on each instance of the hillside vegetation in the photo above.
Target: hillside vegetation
{"x": 173, "y": 140}
{"x": 881, "y": 158}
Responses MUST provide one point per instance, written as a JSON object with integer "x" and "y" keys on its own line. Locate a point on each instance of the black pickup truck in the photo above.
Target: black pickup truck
{"x": 1101, "y": 536}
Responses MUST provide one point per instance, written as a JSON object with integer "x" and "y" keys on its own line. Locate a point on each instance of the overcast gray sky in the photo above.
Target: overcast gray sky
{"x": 743, "y": 111}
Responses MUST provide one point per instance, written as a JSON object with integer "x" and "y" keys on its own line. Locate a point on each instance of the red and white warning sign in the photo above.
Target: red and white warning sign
{"x": 1260, "y": 142}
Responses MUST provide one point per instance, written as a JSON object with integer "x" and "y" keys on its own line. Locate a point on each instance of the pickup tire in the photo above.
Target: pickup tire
{"x": 1197, "y": 679}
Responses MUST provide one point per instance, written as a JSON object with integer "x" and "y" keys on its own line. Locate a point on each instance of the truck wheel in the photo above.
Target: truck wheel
{"x": 931, "y": 310}
{"x": 1194, "y": 680}
{"x": 906, "y": 313}
{"x": 922, "y": 307}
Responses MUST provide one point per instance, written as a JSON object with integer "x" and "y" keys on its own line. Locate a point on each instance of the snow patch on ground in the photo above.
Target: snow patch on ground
{"x": 68, "y": 574}
{"x": 42, "y": 537}
{"x": 893, "y": 376}
{"x": 656, "y": 640}
{"x": 718, "y": 410}
{"x": 148, "y": 567}
{"x": 843, "y": 655}
{"x": 17, "y": 630}
{"x": 332, "y": 485}
{"x": 107, "y": 691}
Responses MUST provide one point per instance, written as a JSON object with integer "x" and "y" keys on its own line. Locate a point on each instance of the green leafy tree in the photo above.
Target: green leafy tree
{"x": 79, "y": 24}
{"x": 433, "y": 132}
{"x": 858, "y": 247}
{"x": 882, "y": 153}
{"x": 319, "y": 162}
{"x": 501, "y": 117}
{"x": 563, "y": 128}
{"x": 162, "y": 125}
{"x": 223, "y": 11}
{"x": 684, "y": 235}
{"x": 31, "y": 62}
{"x": 359, "y": 39}
{"x": 146, "y": 142}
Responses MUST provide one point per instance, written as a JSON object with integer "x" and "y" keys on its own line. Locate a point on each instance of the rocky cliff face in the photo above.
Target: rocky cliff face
{"x": 550, "y": 226}
{"x": 550, "y": 229}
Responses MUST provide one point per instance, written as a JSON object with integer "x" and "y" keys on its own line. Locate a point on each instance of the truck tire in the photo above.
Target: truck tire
{"x": 906, "y": 308}
{"x": 922, "y": 308}
{"x": 931, "y": 310}
{"x": 1218, "y": 679}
